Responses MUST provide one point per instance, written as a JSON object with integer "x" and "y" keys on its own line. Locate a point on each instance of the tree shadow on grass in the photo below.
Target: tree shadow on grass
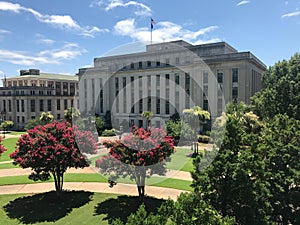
{"x": 46, "y": 207}
{"x": 122, "y": 206}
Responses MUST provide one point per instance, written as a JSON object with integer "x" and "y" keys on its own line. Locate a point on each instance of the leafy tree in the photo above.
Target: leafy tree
{"x": 71, "y": 114}
{"x": 46, "y": 117}
{"x": 147, "y": 115}
{"x": 52, "y": 149}
{"x": 189, "y": 209}
{"x": 138, "y": 155}
{"x": 180, "y": 131}
{"x": 107, "y": 121}
{"x": 234, "y": 182}
{"x": 196, "y": 117}
{"x": 281, "y": 149}
{"x": 99, "y": 122}
{"x": 282, "y": 90}
{"x": 2, "y": 148}
{"x": 6, "y": 125}
{"x": 31, "y": 124}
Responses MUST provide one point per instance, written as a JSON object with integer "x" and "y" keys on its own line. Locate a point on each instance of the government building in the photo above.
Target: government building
{"x": 167, "y": 78}
{"x": 26, "y": 96}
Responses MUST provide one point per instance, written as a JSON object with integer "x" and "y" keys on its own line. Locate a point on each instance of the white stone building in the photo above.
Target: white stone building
{"x": 167, "y": 78}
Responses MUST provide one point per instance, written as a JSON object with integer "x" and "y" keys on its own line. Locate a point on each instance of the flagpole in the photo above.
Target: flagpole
{"x": 151, "y": 27}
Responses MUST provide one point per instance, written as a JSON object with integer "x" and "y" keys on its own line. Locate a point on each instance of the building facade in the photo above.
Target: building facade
{"x": 26, "y": 96}
{"x": 167, "y": 78}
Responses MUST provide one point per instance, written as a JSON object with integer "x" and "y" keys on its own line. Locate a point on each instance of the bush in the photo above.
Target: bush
{"x": 108, "y": 133}
{"x": 203, "y": 138}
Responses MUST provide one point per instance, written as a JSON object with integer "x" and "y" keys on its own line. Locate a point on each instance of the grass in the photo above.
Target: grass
{"x": 9, "y": 144}
{"x": 17, "y": 132}
{"x": 181, "y": 160}
{"x": 8, "y": 166}
{"x": 76, "y": 208}
{"x": 69, "y": 177}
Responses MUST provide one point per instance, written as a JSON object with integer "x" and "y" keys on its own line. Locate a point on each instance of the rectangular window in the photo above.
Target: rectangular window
{"x": 187, "y": 80}
{"x": 22, "y": 106}
{"x": 124, "y": 82}
{"x": 72, "y": 89}
{"x": 23, "y": 119}
{"x": 140, "y": 82}
{"x": 234, "y": 92}
{"x": 177, "y": 78}
{"x": 157, "y": 63}
{"x": 205, "y": 91}
{"x": 205, "y": 104}
{"x": 18, "y": 105}
{"x": 157, "y": 106}
{"x": 148, "y": 63}
{"x": 58, "y": 104}
{"x": 41, "y": 105}
{"x": 49, "y": 105}
{"x": 141, "y": 105}
{"x": 220, "y": 77}
{"x": 58, "y": 88}
{"x": 167, "y": 79}
{"x": 157, "y": 80}
{"x": 167, "y": 107}
{"x": 18, "y": 119}
{"x": 177, "y": 60}
{"x": 167, "y": 62}
{"x": 9, "y": 105}
{"x": 140, "y": 65}
{"x": 66, "y": 104}
{"x": 72, "y": 103}
{"x": 132, "y": 65}
{"x": 32, "y": 105}
{"x": 4, "y": 105}
{"x": 205, "y": 77}
{"x": 235, "y": 74}
{"x": 149, "y": 104}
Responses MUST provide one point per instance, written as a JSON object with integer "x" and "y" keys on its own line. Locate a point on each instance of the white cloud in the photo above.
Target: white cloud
{"x": 61, "y": 21}
{"x": 140, "y": 8}
{"x": 53, "y": 56}
{"x": 41, "y": 39}
{"x": 4, "y": 31}
{"x": 296, "y": 13}
{"x": 243, "y": 3}
{"x": 164, "y": 31}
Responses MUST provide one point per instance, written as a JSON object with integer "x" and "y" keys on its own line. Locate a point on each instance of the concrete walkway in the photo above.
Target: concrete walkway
{"x": 123, "y": 189}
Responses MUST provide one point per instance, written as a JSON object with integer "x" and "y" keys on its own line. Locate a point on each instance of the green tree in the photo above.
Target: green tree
{"x": 281, "y": 94}
{"x": 196, "y": 117}
{"x": 71, "y": 114}
{"x": 281, "y": 150}
{"x": 99, "y": 122}
{"x": 46, "y": 117}
{"x": 147, "y": 115}
{"x": 234, "y": 181}
{"x": 180, "y": 131}
{"x": 6, "y": 125}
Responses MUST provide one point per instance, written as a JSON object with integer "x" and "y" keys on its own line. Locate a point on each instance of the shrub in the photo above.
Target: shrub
{"x": 108, "y": 133}
{"x": 203, "y": 138}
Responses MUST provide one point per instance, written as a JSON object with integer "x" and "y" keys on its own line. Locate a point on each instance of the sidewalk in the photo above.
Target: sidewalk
{"x": 123, "y": 189}
{"x": 176, "y": 174}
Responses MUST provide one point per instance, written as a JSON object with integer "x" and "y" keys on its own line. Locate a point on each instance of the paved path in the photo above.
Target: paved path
{"x": 124, "y": 189}
{"x": 19, "y": 172}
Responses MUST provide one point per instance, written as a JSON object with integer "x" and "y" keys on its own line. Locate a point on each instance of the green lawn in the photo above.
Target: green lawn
{"x": 8, "y": 166}
{"x": 181, "y": 160}
{"x": 17, "y": 132}
{"x": 153, "y": 181}
{"x": 74, "y": 208}
{"x": 9, "y": 144}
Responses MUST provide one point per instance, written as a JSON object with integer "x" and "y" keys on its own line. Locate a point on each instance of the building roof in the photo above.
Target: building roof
{"x": 49, "y": 76}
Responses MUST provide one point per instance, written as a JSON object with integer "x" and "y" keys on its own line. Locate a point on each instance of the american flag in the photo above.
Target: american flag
{"x": 152, "y": 23}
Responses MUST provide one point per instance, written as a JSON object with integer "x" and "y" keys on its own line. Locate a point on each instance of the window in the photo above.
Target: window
{"x": 72, "y": 89}
{"x": 220, "y": 77}
{"x": 41, "y": 105}
{"x": 49, "y": 103}
{"x": 235, "y": 73}
{"x": 167, "y": 107}
{"x": 234, "y": 92}
{"x": 187, "y": 80}
{"x": 132, "y": 65}
{"x": 58, "y": 87}
{"x": 205, "y": 104}
{"x": 18, "y": 106}
{"x": 148, "y": 63}
{"x": 141, "y": 105}
{"x": 117, "y": 83}
{"x": 4, "y": 105}
{"x": 205, "y": 90}
{"x": 167, "y": 79}
{"x": 205, "y": 77}
{"x": 177, "y": 78}
{"x": 58, "y": 116}
{"x": 140, "y": 82}
{"x": 22, "y": 106}
{"x": 23, "y": 119}
{"x": 58, "y": 104}
{"x": 157, "y": 80}
{"x": 149, "y": 104}
{"x": 32, "y": 105}
{"x": 72, "y": 103}
{"x": 66, "y": 104}
{"x": 9, "y": 105}
{"x": 140, "y": 65}
{"x": 158, "y": 63}
{"x": 157, "y": 106}
{"x": 18, "y": 119}
{"x": 177, "y": 60}
{"x": 124, "y": 82}
{"x": 132, "y": 79}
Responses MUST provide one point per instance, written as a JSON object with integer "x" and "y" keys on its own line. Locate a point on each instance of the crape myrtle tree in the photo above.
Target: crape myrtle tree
{"x": 2, "y": 148}
{"x": 51, "y": 149}
{"x": 234, "y": 183}
{"x": 138, "y": 155}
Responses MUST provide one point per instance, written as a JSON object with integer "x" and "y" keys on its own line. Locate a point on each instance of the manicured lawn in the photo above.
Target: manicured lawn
{"x": 8, "y": 166}
{"x": 76, "y": 208}
{"x": 181, "y": 160}
{"x": 9, "y": 144}
{"x": 153, "y": 181}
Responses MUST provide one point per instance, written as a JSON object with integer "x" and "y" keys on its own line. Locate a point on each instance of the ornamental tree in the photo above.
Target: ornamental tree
{"x": 52, "y": 149}
{"x": 138, "y": 155}
{"x": 2, "y": 148}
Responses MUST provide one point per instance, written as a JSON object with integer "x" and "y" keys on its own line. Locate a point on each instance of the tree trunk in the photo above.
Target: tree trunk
{"x": 140, "y": 176}
{"x": 58, "y": 180}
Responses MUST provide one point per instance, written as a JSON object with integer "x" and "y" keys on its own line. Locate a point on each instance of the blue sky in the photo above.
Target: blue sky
{"x": 61, "y": 36}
